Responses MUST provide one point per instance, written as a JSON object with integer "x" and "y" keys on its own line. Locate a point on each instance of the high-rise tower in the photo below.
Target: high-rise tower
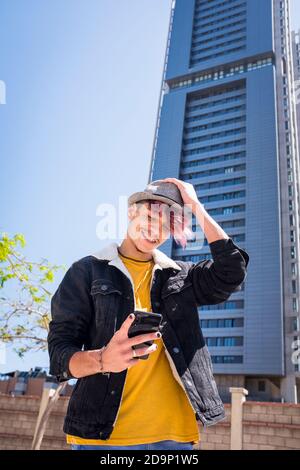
{"x": 227, "y": 124}
{"x": 296, "y": 63}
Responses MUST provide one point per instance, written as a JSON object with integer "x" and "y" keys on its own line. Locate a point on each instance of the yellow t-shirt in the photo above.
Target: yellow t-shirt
{"x": 154, "y": 406}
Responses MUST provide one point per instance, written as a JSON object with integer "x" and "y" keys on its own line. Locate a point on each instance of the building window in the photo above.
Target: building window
{"x": 229, "y": 169}
{"x": 228, "y": 210}
{"x": 292, "y": 235}
{"x": 261, "y": 386}
{"x": 221, "y": 73}
{"x": 229, "y": 305}
{"x": 222, "y": 323}
{"x": 295, "y": 305}
{"x": 227, "y": 359}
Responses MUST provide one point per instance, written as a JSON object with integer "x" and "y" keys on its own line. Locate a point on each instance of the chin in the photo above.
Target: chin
{"x": 145, "y": 247}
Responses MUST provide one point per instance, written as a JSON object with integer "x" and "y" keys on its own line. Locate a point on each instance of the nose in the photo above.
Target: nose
{"x": 153, "y": 230}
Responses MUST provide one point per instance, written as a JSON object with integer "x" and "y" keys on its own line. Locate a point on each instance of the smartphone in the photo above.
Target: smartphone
{"x": 144, "y": 322}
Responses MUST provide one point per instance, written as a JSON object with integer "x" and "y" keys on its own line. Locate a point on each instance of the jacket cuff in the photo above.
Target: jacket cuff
{"x": 65, "y": 373}
{"x": 226, "y": 246}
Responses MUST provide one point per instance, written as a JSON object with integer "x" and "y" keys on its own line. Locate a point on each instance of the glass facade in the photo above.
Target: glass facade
{"x": 219, "y": 28}
{"x": 226, "y": 125}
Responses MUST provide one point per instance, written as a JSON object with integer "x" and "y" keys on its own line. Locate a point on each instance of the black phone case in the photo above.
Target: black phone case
{"x": 144, "y": 322}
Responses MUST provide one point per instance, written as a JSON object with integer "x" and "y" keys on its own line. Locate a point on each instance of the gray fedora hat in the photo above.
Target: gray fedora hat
{"x": 159, "y": 190}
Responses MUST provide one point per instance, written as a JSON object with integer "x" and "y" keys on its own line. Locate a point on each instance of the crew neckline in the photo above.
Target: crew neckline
{"x": 136, "y": 260}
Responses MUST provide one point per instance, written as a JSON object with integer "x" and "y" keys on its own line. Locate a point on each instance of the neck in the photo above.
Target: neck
{"x": 129, "y": 249}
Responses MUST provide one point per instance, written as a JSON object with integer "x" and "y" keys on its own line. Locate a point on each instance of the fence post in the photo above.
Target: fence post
{"x": 48, "y": 392}
{"x": 238, "y": 397}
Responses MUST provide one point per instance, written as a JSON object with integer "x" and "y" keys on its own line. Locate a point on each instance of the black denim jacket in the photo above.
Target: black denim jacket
{"x": 94, "y": 298}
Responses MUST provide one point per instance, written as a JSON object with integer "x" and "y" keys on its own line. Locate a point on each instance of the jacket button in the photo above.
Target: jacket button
{"x": 157, "y": 304}
{"x": 65, "y": 375}
{"x": 104, "y": 287}
{"x": 176, "y": 350}
{"x": 112, "y": 392}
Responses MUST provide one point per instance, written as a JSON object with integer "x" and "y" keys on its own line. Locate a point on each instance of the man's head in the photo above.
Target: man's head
{"x": 155, "y": 214}
{"x": 152, "y": 222}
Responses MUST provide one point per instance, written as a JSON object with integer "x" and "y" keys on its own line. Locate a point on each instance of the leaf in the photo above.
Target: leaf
{"x": 49, "y": 276}
{"x": 19, "y": 237}
{"x": 25, "y": 317}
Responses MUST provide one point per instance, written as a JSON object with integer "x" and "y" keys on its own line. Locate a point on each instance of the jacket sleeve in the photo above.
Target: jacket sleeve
{"x": 214, "y": 280}
{"x": 71, "y": 310}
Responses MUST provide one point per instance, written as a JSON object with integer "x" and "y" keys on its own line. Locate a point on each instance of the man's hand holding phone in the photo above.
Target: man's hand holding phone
{"x": 120, "y": 354}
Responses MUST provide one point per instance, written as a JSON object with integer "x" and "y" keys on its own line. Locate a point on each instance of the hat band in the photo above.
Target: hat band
{"x": 167, "y": 197}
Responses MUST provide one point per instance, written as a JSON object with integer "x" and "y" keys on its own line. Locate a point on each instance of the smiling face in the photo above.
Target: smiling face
{"x": 150, "y": 224}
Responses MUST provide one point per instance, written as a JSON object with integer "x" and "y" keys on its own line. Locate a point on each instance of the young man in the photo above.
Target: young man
{"x": 119, "y": 400}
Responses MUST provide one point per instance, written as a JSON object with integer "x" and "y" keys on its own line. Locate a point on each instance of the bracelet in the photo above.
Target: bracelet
{"x": 100, "y": 359}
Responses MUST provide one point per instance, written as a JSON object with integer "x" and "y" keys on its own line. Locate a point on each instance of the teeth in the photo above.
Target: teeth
{"x": 152, "y": 240}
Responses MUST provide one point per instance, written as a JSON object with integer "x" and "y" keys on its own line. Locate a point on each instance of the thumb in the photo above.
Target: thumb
{"x": 126, "y": 324}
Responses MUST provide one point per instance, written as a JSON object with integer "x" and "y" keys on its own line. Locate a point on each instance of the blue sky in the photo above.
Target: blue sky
{"x": 83, "y": 80}
{"x": 295, "y": 14}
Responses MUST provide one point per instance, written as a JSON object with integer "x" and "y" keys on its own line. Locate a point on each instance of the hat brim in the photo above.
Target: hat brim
{"x": 140, "y": 196}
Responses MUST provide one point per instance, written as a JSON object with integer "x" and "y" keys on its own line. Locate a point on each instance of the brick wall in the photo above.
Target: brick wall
{"x": 266, "y": 425}
{"x": 7, "y": 386}
{"x": 18, "y": 417}
{"x": 216, "y": 437}
{"x": 271, "y": 426}
{"x": 33, "y": 386}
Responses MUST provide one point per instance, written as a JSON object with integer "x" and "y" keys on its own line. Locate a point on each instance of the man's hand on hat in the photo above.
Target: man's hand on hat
{"x": 187, "y": 191}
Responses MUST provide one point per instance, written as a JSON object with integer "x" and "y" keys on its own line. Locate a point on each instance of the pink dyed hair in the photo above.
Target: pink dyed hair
{"x": 179, "y": 223}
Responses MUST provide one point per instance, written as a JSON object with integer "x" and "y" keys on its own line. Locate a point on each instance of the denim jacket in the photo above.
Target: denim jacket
{"x": 94, "y": 298}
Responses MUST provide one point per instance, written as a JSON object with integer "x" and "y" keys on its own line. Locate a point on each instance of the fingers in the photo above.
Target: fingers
{"x": 142, "y": 338}
{"x": 174, "y": 180}
{"x": 141, "y": 352}
{"x": 146, "y": 350}
{"x": 126, "y": 324}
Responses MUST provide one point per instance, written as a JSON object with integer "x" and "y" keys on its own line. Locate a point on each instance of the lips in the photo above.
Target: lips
{"x": 149, "y": 240}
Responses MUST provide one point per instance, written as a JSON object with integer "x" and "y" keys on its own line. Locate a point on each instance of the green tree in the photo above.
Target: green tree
{"x": 25, "y": 315}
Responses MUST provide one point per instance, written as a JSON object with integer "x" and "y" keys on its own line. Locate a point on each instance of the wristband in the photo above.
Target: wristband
{"x": 100, "y": 360}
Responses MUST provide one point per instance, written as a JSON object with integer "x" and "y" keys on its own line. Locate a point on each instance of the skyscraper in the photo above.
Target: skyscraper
{"x": 227, "y": 124}
{"x": 296, "y": 63}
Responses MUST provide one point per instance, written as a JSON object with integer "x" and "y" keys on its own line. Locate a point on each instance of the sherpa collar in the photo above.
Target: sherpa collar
{"x": 110, "y": 253}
